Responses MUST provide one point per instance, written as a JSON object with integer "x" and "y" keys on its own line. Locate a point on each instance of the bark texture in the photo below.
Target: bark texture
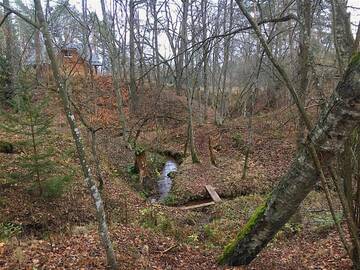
{"x": 9, "y": 51}
{"x": 89, "y": 181}
{"x": 132, "y": 86}
{"x": 329, "y": 135}
{"x": 343, "y": 39}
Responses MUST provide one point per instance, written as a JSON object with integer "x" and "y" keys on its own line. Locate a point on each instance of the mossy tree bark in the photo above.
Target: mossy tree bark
{"x": 333, "y": 128}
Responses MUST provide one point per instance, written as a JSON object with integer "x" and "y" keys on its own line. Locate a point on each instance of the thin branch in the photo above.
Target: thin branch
{"x": 4, "y": 18}
{"x": 21, "y": 16}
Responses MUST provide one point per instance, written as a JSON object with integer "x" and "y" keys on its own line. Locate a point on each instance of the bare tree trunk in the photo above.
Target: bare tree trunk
{"x": 304, "y": 13}
{"x": 84, "y": 36}
{"x": 140, "y": 50}
{"x": 215, "y": 62}
{"x": 96, "y": 159}
{"x": 123, "y": 55}
{"x": 250, "y": 132}
{"x": 211, "y": 152}
{"x": 204, "y": 6}
{"x": 115, "y": 69}
{"x": 343, "y": 39}
{"x": 194, "y": 156}
{"x": 183, "y": 44}
{"x": 225, "y": 67}
{"x": 156, "y": 42}
{"x": 9, "y": 51}
{"x": 37, "y": 44}
{"x": 356, "y": 47}
{"x": 132, "y": 87}
{"x": 190, "y": 82}
{"x": 99, "y": 206}
{"x": 329, "y": 135}
{"x": 118, "y": 95}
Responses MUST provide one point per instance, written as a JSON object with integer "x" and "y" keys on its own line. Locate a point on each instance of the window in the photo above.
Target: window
{"x": 67, "y": 53}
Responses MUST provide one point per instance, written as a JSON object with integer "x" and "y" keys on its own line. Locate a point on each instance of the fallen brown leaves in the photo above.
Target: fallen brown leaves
{"x": 136, "y": 248}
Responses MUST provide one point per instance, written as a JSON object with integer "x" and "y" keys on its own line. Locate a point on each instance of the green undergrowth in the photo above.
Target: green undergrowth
{"x": 238, "y": 140}
{"x": 9, "y": 229}
{"x": 14, "y": 174}
{"x": 170, "y": 200}
{"x": 323, "y": 222}
{"x": 153, "y": 218}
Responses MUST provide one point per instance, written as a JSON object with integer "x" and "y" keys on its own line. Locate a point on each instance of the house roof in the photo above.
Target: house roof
{"x": 73, "y": 46}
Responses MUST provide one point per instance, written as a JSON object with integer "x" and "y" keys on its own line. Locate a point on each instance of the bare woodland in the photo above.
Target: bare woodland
{"x": 166, "y": 134}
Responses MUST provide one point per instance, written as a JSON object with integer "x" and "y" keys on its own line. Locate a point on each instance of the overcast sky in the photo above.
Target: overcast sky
{"x": 355, "y": 13}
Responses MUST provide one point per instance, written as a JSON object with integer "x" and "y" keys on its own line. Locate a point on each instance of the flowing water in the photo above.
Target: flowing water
{"x": 165, "y": 182}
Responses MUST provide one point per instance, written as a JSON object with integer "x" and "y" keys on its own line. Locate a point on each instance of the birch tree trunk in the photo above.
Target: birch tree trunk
{"x": 333, "y": 128}
{"x": 89, "y": 181}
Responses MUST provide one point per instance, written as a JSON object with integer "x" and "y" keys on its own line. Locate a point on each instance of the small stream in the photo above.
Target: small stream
{"x": 165, "y": 182}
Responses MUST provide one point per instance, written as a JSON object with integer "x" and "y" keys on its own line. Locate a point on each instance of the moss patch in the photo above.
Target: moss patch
{"x": 355, "y": 59}
{"x": 229, "y": 249}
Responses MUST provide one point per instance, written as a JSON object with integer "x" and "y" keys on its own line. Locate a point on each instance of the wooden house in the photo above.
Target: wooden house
{"x": 71, "y": 61}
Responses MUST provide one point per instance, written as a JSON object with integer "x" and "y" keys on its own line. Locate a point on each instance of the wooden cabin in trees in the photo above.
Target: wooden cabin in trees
{"x": 72, "y": 61}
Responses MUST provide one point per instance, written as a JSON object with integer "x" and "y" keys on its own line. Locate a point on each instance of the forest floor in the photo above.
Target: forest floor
{"x": 61, "y": 232}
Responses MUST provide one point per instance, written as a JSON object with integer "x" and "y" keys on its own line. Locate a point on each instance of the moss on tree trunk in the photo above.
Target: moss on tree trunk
{"x": 333, "y": 128}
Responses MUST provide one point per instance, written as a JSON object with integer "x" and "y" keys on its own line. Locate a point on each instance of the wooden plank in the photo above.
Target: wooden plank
{"x": 213, "y": 193}
{"x": 197, "y": 206}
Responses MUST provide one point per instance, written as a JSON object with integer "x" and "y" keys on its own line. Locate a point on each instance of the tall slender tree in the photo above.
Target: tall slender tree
{"x": 95, "y": 194}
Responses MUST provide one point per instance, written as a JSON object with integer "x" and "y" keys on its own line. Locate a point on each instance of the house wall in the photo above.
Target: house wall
{"x": 73, "y": 64}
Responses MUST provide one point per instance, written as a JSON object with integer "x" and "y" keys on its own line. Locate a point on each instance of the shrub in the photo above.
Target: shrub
{"x": 238, "y": 140}
{"x": 157, "y": 220}
{"x": 6, "y": 147}
{"x": 9, "y": 229}
{"x": 193, "y": 238}
{"x": 29, "y": 120}
{"x": 132, "y": 170}
{"x": 170, "y": 200}
{"x": 324, "y": 222}
{"x": 208, "y": 231}
{"x": 55, "y": 186}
